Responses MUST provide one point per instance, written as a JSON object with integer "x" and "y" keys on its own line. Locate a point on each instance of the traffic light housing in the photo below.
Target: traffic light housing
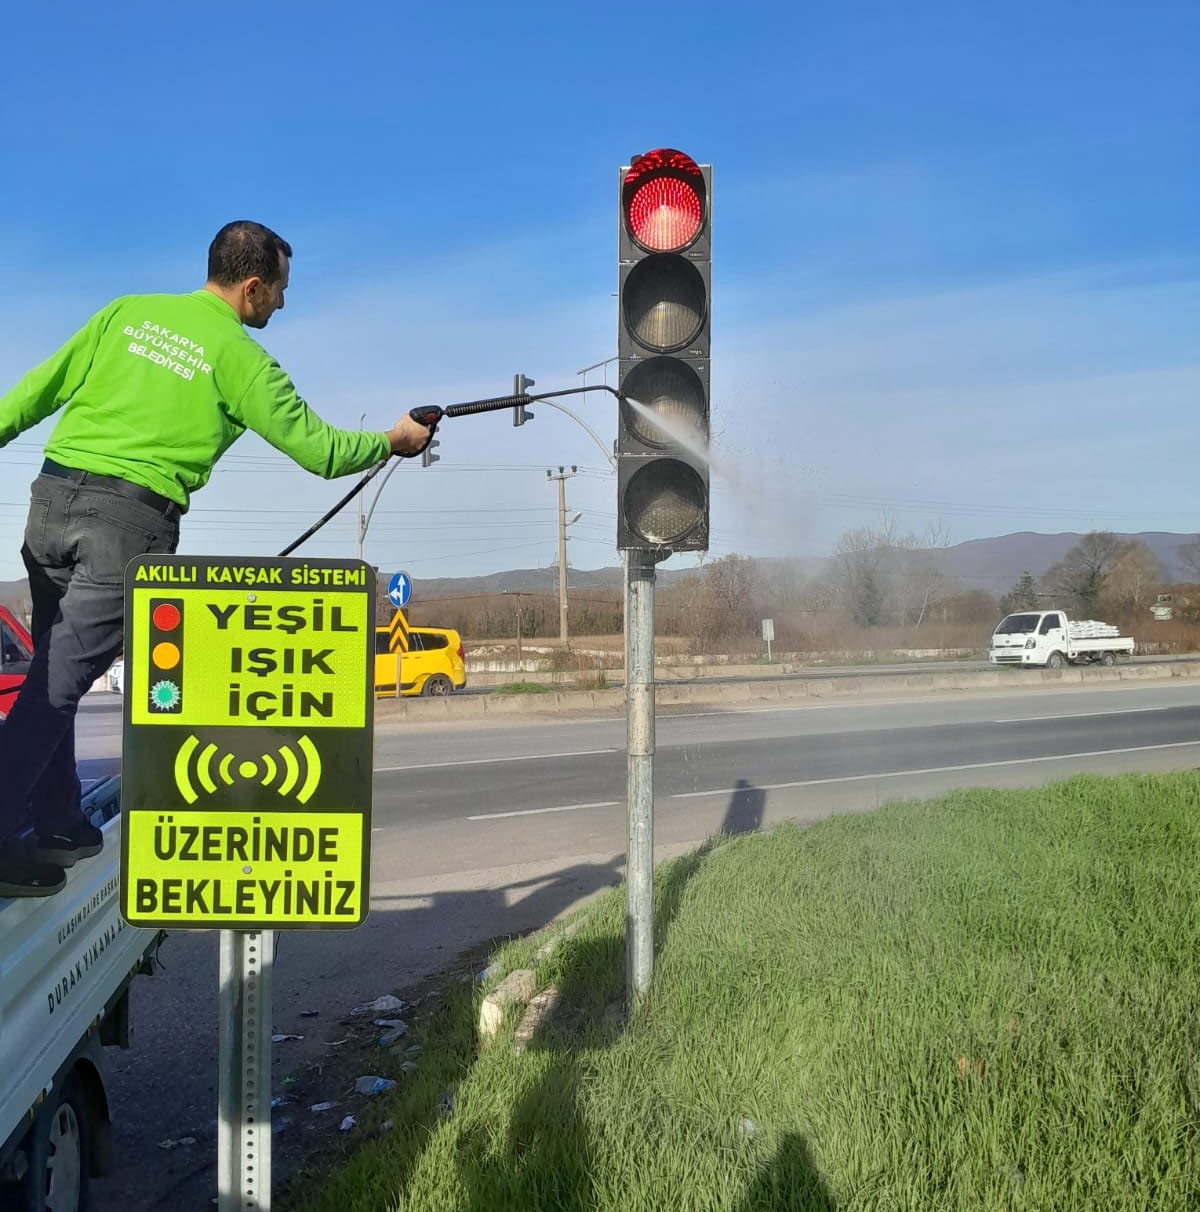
{"x": 521, "y": 386}
{"x": 664, "y": 249}
{"x": 164, "y": 653}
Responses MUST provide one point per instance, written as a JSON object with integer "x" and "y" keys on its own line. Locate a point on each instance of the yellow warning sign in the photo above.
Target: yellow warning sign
{"x": 226, "y": 868}
{"x": 398, "y": 632}
{"x": 247, "y": 657}
{"x": 247, "y": 743}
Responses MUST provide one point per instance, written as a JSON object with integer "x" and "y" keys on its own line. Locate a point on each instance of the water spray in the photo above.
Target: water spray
{"x": 431, "y": 415}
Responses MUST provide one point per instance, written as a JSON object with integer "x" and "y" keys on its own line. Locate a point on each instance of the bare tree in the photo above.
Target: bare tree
{"x": 881, "y": 574}
{"x": 1134, "y": 577}
{"x": 1079, "y": 576}
{"x": 858, "y": 574}
{"x": 1189, "y": 555}
{"x": 921, "y": 570}
{"x": 721, "y": 600}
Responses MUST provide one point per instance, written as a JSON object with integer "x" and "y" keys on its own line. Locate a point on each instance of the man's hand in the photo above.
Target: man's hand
{"x": 408, "y": 437}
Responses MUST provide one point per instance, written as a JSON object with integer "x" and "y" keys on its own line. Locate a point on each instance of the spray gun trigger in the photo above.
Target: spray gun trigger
{"x": 427, "y": 414}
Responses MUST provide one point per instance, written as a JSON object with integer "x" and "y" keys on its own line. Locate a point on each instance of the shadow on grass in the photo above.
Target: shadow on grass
{"x": 551, "y": 1143}
{"x": 790, "y": 1182}
{"x": 551, "y": 1148}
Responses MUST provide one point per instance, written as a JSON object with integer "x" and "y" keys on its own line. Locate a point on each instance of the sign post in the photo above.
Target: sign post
{"x": 768, "y": 629}
{"x": 246, "y": 788}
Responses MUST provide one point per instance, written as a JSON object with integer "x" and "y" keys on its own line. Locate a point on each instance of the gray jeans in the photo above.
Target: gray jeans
{"x": 78, "y": 540}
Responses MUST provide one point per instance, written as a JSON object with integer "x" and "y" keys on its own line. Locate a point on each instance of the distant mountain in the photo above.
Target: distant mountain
{"x": 995, "y": 565}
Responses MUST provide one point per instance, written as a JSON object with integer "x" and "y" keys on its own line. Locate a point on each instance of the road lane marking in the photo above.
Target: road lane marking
{"x": 1083, "y": 715}
{"x": 895, "y": 774}
{"x": 520, "y": 757}
{"x": 496, "y": 816}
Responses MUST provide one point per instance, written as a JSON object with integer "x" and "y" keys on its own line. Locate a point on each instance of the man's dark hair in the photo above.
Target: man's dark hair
{"x": 245, "y": 249}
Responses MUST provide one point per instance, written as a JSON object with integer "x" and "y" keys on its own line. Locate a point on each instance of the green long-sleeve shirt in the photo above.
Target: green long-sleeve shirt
{"x": 158, "y": 387}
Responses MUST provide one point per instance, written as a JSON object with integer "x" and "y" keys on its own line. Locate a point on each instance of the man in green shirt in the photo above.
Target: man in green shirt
{"x": 156, "y": 388}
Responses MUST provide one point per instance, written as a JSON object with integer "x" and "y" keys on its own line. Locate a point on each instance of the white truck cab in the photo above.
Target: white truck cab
{"x": 66, "y": 963}
{"x": 1049, "y": 638}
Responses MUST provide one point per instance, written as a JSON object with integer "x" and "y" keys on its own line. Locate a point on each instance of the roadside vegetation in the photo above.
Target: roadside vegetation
{"x": 983, "y": 1002}
{"x": 880, "y": 590}
{"x": 524, "y": 688}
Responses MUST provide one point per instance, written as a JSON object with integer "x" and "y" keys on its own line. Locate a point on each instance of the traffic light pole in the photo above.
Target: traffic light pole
{"x": 664, "y": 278}
{"x": 639, "y": 710}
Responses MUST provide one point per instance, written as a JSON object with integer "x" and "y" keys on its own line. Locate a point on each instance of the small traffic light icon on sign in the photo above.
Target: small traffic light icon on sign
{"x": 663, "y": 343}
{"x": 165, "y": 656}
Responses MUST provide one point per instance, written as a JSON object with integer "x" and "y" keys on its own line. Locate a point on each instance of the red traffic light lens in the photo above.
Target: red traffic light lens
{"x": 663, "y": 200}
{"x": 665, "y": 215}
{"x": 166, "y": 616}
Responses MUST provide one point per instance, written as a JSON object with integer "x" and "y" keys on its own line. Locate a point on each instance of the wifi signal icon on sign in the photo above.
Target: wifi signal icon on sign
{"x": 291, "y": 773}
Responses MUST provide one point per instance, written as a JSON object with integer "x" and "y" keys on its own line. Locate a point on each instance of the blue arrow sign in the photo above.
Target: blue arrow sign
{"x": 400, "y": 589}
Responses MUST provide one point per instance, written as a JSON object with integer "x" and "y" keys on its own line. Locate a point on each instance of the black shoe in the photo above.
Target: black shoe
{"x": 65, "y": 849}
{"x": 21, "y": 877}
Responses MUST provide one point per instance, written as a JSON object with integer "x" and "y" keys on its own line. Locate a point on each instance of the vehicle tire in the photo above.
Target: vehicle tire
{"x": 437, "y": 686}
{"x": 1108, "y": 659}
{"x": 1054, "y": 660}
{"x": 59, "y": 1158}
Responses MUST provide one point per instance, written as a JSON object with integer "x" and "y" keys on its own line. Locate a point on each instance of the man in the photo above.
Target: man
{"x": 156, "y": 388}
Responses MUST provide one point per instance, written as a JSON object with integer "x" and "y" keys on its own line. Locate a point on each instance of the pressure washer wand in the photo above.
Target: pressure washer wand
{"x": 431, "y": 415}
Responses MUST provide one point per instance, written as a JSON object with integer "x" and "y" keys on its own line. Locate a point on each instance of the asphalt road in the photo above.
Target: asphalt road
{"x": 482, "y": 831}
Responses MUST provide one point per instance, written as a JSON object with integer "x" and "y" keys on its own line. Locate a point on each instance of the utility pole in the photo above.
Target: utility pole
{"x": 362, "y": 525}
{"x": 516, "y": 593}
{"x": 562, "y": 478}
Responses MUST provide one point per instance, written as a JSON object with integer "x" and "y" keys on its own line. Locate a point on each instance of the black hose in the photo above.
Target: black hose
{"x": 466, "y": 409}
{"x": 337, "y": 508}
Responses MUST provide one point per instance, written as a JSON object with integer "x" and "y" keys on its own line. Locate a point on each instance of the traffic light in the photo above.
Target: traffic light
{"x": 165, "y": 655}
{"x": 664, "y": 249}
{"x": 428, "y": 458}
{"x": 521, "y": 413}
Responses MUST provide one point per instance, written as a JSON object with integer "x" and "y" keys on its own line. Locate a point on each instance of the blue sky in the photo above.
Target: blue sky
{"x": 956, "y": 251}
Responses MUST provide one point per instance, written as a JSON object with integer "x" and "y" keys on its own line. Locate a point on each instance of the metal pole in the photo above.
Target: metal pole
{"x": 639, "y": 709}
{"x": 362, "y": 526}
{"x": 244, "y": 1071}
{"x": 562, "y": 560}
{"x": 562, "y": 478}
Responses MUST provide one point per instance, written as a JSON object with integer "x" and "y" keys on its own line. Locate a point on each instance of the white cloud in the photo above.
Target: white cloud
{"x": 1053, "y": 402}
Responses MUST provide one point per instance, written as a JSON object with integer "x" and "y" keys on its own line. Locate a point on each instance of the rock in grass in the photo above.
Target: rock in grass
{"x": 515, "y": 989}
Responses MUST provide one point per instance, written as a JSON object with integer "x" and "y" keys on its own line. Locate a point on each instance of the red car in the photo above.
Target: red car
{"x": 16, "y": 651}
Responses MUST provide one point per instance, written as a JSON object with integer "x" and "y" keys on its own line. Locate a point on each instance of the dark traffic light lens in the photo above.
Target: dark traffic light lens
{"x": 663, "y": 200}
{"x": 664, "y": 501}
{"x": 663, "y": 300}
{"x": 671, "y": 392}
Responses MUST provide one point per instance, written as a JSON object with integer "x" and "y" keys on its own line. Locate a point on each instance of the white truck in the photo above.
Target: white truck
{"x": 66, "y": 963}
{"x": 1050, "y": 638}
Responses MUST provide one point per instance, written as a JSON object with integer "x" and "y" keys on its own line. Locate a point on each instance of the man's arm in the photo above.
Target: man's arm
{"x": 47, "y": 387}
{"x": 273, "y": 408}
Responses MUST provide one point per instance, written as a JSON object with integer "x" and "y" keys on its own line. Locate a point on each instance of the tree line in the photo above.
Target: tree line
{"x": 880, "y": 588}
